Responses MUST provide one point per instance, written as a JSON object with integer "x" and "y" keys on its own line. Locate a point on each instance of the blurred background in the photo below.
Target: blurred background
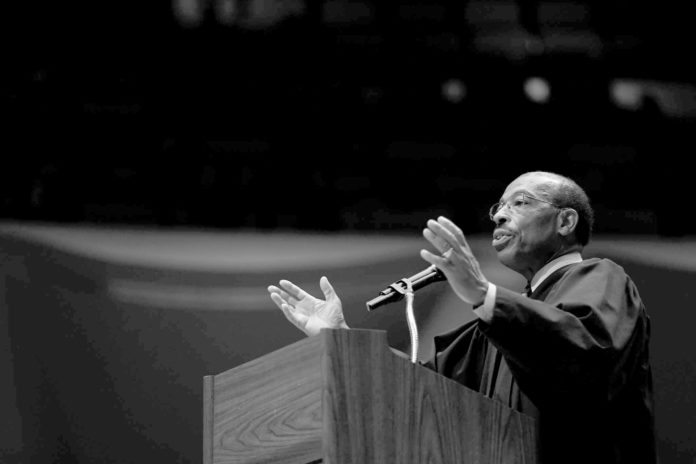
{"x": 166, "y": 161}
{"x": 342, "y": 114}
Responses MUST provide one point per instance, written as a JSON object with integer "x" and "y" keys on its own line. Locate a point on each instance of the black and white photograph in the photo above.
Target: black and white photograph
{"x": 348, "y": 232}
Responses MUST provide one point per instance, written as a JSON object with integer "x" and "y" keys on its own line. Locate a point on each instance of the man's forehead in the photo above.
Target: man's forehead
{"x": 508, "y": 194}
{"x": 534, "y": 183}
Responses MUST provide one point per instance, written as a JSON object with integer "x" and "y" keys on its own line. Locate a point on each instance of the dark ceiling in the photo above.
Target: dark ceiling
{"x": 181, "y": 112}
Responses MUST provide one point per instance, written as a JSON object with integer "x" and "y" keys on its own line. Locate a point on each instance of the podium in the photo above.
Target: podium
{"x": 344, "y": 397}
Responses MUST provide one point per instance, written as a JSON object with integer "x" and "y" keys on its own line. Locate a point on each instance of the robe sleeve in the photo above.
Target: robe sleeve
{"x": 460, "y": 350}
{"x": 586, "y": 337}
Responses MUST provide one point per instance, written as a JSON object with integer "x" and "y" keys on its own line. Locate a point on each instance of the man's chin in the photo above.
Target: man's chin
{"x": 506, "y": 256}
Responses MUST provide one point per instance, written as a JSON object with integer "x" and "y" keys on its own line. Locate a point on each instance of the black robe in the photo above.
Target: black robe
{"x": 574, "y": 355}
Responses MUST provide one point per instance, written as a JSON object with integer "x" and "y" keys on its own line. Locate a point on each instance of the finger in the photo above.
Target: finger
{"x": 454, "y": 230}
{"x": 436, "y": 260}
{"x": 440, "y": 231}
{"x": 327, "y": 288}
{"x": 299, "y": 320}
{"x": 273, "y": 289}
{"x": 278, "y": 300}
{"x": 288, "y": 298}
{"x": 293, "y": 290}
{"x": 282, "y": 294}
{"x": 290, "y": 313}
{"x": 436, "y": 241}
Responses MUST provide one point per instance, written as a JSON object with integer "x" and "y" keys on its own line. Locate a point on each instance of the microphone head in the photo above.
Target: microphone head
{"x": 397, "y": 290}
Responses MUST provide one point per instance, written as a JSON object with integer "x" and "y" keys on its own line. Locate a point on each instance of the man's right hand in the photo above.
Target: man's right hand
{"x": 307, "y": 313}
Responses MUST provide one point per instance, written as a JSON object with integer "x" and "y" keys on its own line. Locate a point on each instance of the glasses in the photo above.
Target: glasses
{"x": 517, "y": 204}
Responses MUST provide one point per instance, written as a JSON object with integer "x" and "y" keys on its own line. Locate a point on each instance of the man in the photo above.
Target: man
{"x": 572, "y": 352}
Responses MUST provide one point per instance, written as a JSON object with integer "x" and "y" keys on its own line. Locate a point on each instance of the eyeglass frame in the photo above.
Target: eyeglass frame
{"x": 498, "y": 206}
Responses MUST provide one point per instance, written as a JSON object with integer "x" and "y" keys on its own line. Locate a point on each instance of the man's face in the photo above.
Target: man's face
{"x": 525, "y": 234}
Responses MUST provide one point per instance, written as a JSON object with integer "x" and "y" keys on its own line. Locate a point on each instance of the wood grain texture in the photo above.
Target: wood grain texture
{"x": 381, "y": 408}
{"x": 269, "y": 410}
{"x": 344, "y": 397}
{"x": 208, "y": 404}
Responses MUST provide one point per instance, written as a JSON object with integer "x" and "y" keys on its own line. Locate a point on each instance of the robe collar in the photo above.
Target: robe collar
{"x": 554, "y": 265}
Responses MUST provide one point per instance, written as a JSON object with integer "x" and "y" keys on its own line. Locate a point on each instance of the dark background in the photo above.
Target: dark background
{"x": 284, "y": 116}
{"x": 331, "y": 115}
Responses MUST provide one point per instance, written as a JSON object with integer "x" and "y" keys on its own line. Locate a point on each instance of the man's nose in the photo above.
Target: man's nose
{"x": 501, "y": 217}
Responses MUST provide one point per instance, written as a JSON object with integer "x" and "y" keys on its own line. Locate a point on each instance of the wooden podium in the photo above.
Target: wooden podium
{"x": 344, "y": 397}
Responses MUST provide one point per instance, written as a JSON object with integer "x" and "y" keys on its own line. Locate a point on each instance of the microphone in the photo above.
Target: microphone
{"x": 397, "y": 290}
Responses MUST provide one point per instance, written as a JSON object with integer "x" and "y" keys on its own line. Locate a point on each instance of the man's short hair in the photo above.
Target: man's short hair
{"x": 568, "y": 194}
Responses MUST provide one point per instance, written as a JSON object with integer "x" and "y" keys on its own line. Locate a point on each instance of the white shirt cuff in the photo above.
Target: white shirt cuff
{"x": 485, "y": 311}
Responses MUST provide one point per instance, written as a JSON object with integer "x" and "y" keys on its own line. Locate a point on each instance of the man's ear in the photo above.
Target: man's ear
{"x": 566, "y": 221}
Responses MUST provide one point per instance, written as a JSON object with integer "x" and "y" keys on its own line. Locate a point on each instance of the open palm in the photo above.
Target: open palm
{"x": 307, "y": 313}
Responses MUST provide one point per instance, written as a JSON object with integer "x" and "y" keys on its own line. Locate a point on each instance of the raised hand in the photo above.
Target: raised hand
{"x": 307, "y": 313}
{"x": 456, "y": 260}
